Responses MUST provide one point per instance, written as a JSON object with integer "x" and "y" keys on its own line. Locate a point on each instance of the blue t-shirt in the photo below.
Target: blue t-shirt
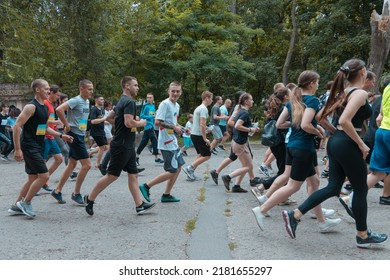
{"x": 299, "y": 138}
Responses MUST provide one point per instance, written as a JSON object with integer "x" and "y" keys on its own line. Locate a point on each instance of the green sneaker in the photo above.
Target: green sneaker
{"x": 145, "y": 192}
{"x": 169, "y": 198}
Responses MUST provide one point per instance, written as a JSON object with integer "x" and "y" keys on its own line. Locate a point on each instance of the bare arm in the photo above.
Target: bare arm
{"x": 177, "y": 128}
{"x": 283, "y": 122}
{"x": 306, "y": 125}
{"x": 203, "y": 126}
{"x": 61, "y": 115}
{"x": 379, "y": 118}
{"x": 130, "y": 122}
{"x": 240, "y": 126}
{"x": 110, "y": 118}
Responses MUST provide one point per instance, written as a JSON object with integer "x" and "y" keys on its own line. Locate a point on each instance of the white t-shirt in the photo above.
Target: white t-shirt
{"x": 107, "y": 127}
{"x": 200, "y": 112}
{"x": 189, "y": 126}
{"x": 169, "y": 113}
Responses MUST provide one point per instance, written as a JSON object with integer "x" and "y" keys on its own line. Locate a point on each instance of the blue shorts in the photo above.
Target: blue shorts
{"x": 380, "y": 159}
{"x": 223, "y": 129}
{"x": 50, "y": 147}
{"x": 187, "y": 142}
{"x": 77, "y": 149}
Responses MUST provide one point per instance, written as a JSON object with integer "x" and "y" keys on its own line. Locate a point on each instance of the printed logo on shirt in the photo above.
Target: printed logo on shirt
{"x": 52, "y": 117}
{"x": 83, "y": 125}
{"x": 151, "y": 113}
{"x": 41, "y": 129}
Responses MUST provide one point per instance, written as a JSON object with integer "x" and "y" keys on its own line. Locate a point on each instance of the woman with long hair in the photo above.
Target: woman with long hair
{"x": 240, "y": 144}
{"x": 275, "y": 105}
{"x": 346, "y": 151}
{"x": 301, "y": 157}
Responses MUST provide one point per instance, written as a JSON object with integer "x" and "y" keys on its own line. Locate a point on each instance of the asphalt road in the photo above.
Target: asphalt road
{"x": 208, "y": 223}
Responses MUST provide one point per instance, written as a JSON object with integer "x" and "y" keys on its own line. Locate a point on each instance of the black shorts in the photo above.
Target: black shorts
{"x": 232, "y": 155}
{"x": 122, "y": 158}
{"x": 34, "y": 162}
{"x": 302, "y": 163}
{"x": 200, "y": 146}
{"x": 100, "y": 140}
{"x": 77, "y": 149}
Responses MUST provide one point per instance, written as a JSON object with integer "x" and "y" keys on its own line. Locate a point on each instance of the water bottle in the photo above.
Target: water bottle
{"x": 254, "y": 126}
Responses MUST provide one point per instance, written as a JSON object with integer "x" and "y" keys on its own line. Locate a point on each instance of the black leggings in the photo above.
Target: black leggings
{"x": 279, "y": 152}
{"x": 345, "y": 160}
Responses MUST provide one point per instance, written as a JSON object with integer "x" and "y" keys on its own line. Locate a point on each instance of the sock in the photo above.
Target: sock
{"x": 166, "y": 194}
{"x": 146, "y": 186}
{"x": 236, "y": 186}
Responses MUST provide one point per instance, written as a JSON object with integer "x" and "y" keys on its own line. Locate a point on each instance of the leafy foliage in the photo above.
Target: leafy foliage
{"x": 198, "y": 42}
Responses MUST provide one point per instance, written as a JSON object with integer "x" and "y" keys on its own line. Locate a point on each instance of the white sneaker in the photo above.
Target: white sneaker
{"x": 258, "y": 191}
{"x": 189, "y": 172}
{"x": 328, "y": 213}
{"x": 345, "y": 191}
{"x": 328, "y": 224}
{"x": 259, "y": 217}
{"x": 262, "y": 199}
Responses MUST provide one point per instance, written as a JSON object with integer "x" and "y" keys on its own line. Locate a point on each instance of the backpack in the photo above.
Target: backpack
{"x": 271, "y": 136}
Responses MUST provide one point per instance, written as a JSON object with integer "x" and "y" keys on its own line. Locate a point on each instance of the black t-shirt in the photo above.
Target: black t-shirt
{"x": 97, "y": 129}
{"x": 124, "y": 136}
{"x": 241, "y": 137}
{"x": 372, "y": 126}
{"x": 3, "y": 121}
{"x": 33, "y": 132}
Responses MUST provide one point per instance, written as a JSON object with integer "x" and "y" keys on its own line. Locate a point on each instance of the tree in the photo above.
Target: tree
{"x": 294, "y": 38}
{"x": 380, "y": 42}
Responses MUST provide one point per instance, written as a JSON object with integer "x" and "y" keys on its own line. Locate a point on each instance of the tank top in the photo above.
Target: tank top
{"x": 363, "y": 113}
{"x": 33, "y": 133}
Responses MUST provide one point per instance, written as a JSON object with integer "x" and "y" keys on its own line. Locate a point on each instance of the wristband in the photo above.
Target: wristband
{"x": 61, "y": 135}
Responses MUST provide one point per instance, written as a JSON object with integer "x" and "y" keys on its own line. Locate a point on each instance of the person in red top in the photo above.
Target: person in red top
{"x": 50, "y": 145}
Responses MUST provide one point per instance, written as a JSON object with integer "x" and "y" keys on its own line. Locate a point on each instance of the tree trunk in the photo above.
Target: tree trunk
{"x": 233, "y": 5}
{"x": 294, "y": 37}
{"x": 380, "y": 42}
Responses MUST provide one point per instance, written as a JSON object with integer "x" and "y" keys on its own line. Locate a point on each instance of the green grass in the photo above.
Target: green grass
{"x": 228, "y": 213}
{"x": 232, "y": 246}
{"x": 190, "y": 225}
{"x": 202, "y": 194}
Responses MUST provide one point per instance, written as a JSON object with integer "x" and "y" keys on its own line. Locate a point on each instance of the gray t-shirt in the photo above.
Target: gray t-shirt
{"x": 78, "y": 114}
{"x": 200, "y": 112}
{"x": 215, "y": 111}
